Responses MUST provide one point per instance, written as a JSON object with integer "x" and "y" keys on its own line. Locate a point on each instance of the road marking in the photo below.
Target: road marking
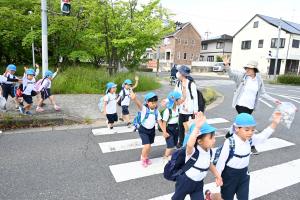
{"x": 292, "y": 98}
{"x": 264, "y": 181}
{"x": 125, "y": 129}
{"x": 293, "y": 90}
{"x": 266, "y": 103}
{"x": 133, "y": 170}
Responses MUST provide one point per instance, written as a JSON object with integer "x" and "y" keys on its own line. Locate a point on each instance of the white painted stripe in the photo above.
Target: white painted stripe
{"x": 117, "y": 129}
{"x": 133, "y": 170}
{"x": 264, "y": 181}
{"x": 292, "y": 98}
{"x": 294, "y": 90}
{"x": 125, "y": 129}
{"x": 269, "y": 105}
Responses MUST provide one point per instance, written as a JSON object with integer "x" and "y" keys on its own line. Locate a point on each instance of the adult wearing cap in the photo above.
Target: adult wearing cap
{"x": 189, "y": 105}
{"x": 249, "y": 88}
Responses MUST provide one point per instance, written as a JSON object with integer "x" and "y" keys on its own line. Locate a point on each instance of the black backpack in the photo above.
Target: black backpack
{"x": 122, "y": 97}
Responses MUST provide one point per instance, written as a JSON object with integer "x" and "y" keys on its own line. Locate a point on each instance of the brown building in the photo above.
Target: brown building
{"x": 181, "y": 47}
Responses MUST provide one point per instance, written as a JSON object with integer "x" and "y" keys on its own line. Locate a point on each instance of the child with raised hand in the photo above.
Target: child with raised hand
{"x": 45, "y": 90}
{"x": 170, "y": 121}
{"x": 8, "y": 88}
{"x": 110, "y": 104}
{"x": 149, "y": 117}
{"x": 124, "y": 96}
{"x": 234, "y": 168}
{"x": 201, "y": 140}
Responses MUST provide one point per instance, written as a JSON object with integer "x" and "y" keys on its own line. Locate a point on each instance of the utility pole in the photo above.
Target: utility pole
{"x": 44, "y": 36}
{"x": 158, "y": 49}
{"x": 32, "y": 45}
{"x": 277, "y": 50}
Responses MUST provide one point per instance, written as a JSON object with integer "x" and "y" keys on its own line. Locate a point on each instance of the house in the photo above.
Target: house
{"x": 213, "y": 47}
{"x": 257, "y": 40}
{"x": 180, "y": 47}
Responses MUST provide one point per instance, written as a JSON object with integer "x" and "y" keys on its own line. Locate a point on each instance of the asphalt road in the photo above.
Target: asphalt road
{"x": 70, "y": 164}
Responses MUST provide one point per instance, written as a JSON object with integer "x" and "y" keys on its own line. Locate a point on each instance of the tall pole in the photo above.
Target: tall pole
{"x": 277, "y": 49}
{"x": 44, "y": 36}
{"x": 32, "y": 48}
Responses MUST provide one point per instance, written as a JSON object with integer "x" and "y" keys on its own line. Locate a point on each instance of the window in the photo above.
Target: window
{"x": 295, "y": 43}
{"x": 178, "y": 55}
{"x": 255, "y": 24}
{"x": 220, "y": 45}
{"x": 186, "y": 42}
{"x": 246, "y": 44}
{"x": 201, "y": 58}
{"x": 185, "y": 56}
{"x": 260, "y": 43}
{"x": 179, "y": 41}
{"x": 192, "y": 56}
{"x": 204, "y": 46}
{"x": 168, "y": 55}
{"x": 274, "y": 43}
{"x": 193, "y": 42}
{"x": 210, "y": 58}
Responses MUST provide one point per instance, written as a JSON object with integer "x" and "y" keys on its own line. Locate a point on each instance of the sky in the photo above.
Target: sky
{"x": 219, "y": 17}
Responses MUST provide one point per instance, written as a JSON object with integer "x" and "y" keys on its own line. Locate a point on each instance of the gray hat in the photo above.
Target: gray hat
{"x": 184, "y": 70}
{"x": 252, "y": 64}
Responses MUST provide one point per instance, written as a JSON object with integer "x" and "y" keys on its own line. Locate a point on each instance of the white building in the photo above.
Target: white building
{"x": 257, "y": 40}
{"x": 217, "y": 46}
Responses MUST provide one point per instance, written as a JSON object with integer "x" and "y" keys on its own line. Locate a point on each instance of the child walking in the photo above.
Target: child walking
{"x": 234, "y": 166}
{"x": 149, "y": 117}
{"x": 110, "y": 104}
{"x": 170, "y": 121}
{"x": 124, "y": 96}
{"x": 45, "y": 90}
{"x": 7, "y": 86}
{"x": 201, "y": 140}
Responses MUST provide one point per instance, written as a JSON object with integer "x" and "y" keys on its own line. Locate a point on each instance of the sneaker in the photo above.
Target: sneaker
{"x": 28, "y": 113}
{"x": 254, "y": 151}
{"x": 148, "y": 161}
{"x": 39, "y": 109}
{"x": 21, "y": 109}
{"x": 144, "y": 162}
{"x": 57, "y": 108}
{"x": 121, "y": 119}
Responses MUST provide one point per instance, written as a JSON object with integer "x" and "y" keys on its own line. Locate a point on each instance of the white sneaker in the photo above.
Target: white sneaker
{"x": 39, "y": 109}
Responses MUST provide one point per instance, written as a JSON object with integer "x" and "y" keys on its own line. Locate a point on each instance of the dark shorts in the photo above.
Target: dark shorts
{"x": 27, "y": 99}
{"x": 243, "y": 109}
{"x": 8, "y": 89}
{"x": 184, "y": 117}
{"x": 112, "y": 118}
{"x": 46, "y": 93}
{"x": 171, "y": 141}
{"x": 125, "y": 110}
{"x": 147, "y": 135}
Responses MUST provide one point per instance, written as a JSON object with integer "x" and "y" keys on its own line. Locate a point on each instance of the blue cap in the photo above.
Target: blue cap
{"x": 244, "y": 120}
{"x": 128, "y": 82}
{"x": 48, "y": 73}
{"x": 149, "y": 96}
{"x": 11, "y": 67}
{"x": 30, "y": 72}
{"x": 110, "y": 85}
{"x": 172, "y": 97}
{"x": 184, "y": 70}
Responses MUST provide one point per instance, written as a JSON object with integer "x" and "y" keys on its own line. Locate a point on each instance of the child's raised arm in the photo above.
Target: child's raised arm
{"x": 136, "y": 101}
{"x": 136, "y": 78}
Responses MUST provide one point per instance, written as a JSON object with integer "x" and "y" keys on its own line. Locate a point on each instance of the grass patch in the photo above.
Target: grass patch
{"x": 288, "y": 79}
{"x": 210, "y": 95}
{"x": 91, "y": 80}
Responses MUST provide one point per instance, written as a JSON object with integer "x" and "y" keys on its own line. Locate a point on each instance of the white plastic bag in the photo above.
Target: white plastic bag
{"x": 288, "y": 111}
{"x": 2, "y": 103}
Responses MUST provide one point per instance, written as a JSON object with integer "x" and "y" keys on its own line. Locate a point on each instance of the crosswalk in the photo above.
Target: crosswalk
{"x": 262, "y": 180}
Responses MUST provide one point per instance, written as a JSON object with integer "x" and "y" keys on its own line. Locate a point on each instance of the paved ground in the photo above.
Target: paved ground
{"x": 77, "y": 164}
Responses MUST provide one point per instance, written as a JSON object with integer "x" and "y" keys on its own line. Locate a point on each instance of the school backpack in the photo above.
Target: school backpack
{"x": 101, "y": 104}
{"x": 122, "y": 97}
{"x": 162, "y": 114}
{"x": 38, "y": 85}
{"x": 231, "y": 150}
{"x": 177, "y": 165}
{"x": 19, "y": 91}
{"x": 137, "y": 121}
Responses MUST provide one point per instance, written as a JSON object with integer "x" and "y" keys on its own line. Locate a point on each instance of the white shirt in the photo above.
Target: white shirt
{"x": 28, "y": 85}
{"x": 46, "y": 84}
{"x": 189, "y": 106}
{"x": 172, "y": 119}
{"x": 2, "y": 79}
{"x": 126, "y": 100}
{"x": 150, "y": 122}
{"x": 8, "y": 75}
{"x": 249, "y": 94}
{"x": 241, "y": 148}
{"x": 111, "y": 103}
{"x": 203, "y": 162}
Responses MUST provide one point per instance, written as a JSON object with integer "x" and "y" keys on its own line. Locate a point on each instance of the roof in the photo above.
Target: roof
{"x": 290, "y": 27}
{"x": 218, "y": 38}
{"x": 179, "y": 27}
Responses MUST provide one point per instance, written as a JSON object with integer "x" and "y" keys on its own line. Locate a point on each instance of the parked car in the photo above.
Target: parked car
{"x": 219, "y": 67}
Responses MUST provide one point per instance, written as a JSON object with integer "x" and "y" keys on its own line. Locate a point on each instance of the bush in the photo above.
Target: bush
{"x": 90, "y": 80}
{"x": 210, "y": 95}
{"x": 289, "y": 79}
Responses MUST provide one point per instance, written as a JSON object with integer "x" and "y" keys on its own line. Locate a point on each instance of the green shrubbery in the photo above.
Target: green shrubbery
{"x": 289, "y": 79}
{"x": 91, "y": 80}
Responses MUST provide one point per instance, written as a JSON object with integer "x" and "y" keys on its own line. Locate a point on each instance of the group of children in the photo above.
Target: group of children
{"x": 229, "y": 164}
{"x": 22, "y": 90}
